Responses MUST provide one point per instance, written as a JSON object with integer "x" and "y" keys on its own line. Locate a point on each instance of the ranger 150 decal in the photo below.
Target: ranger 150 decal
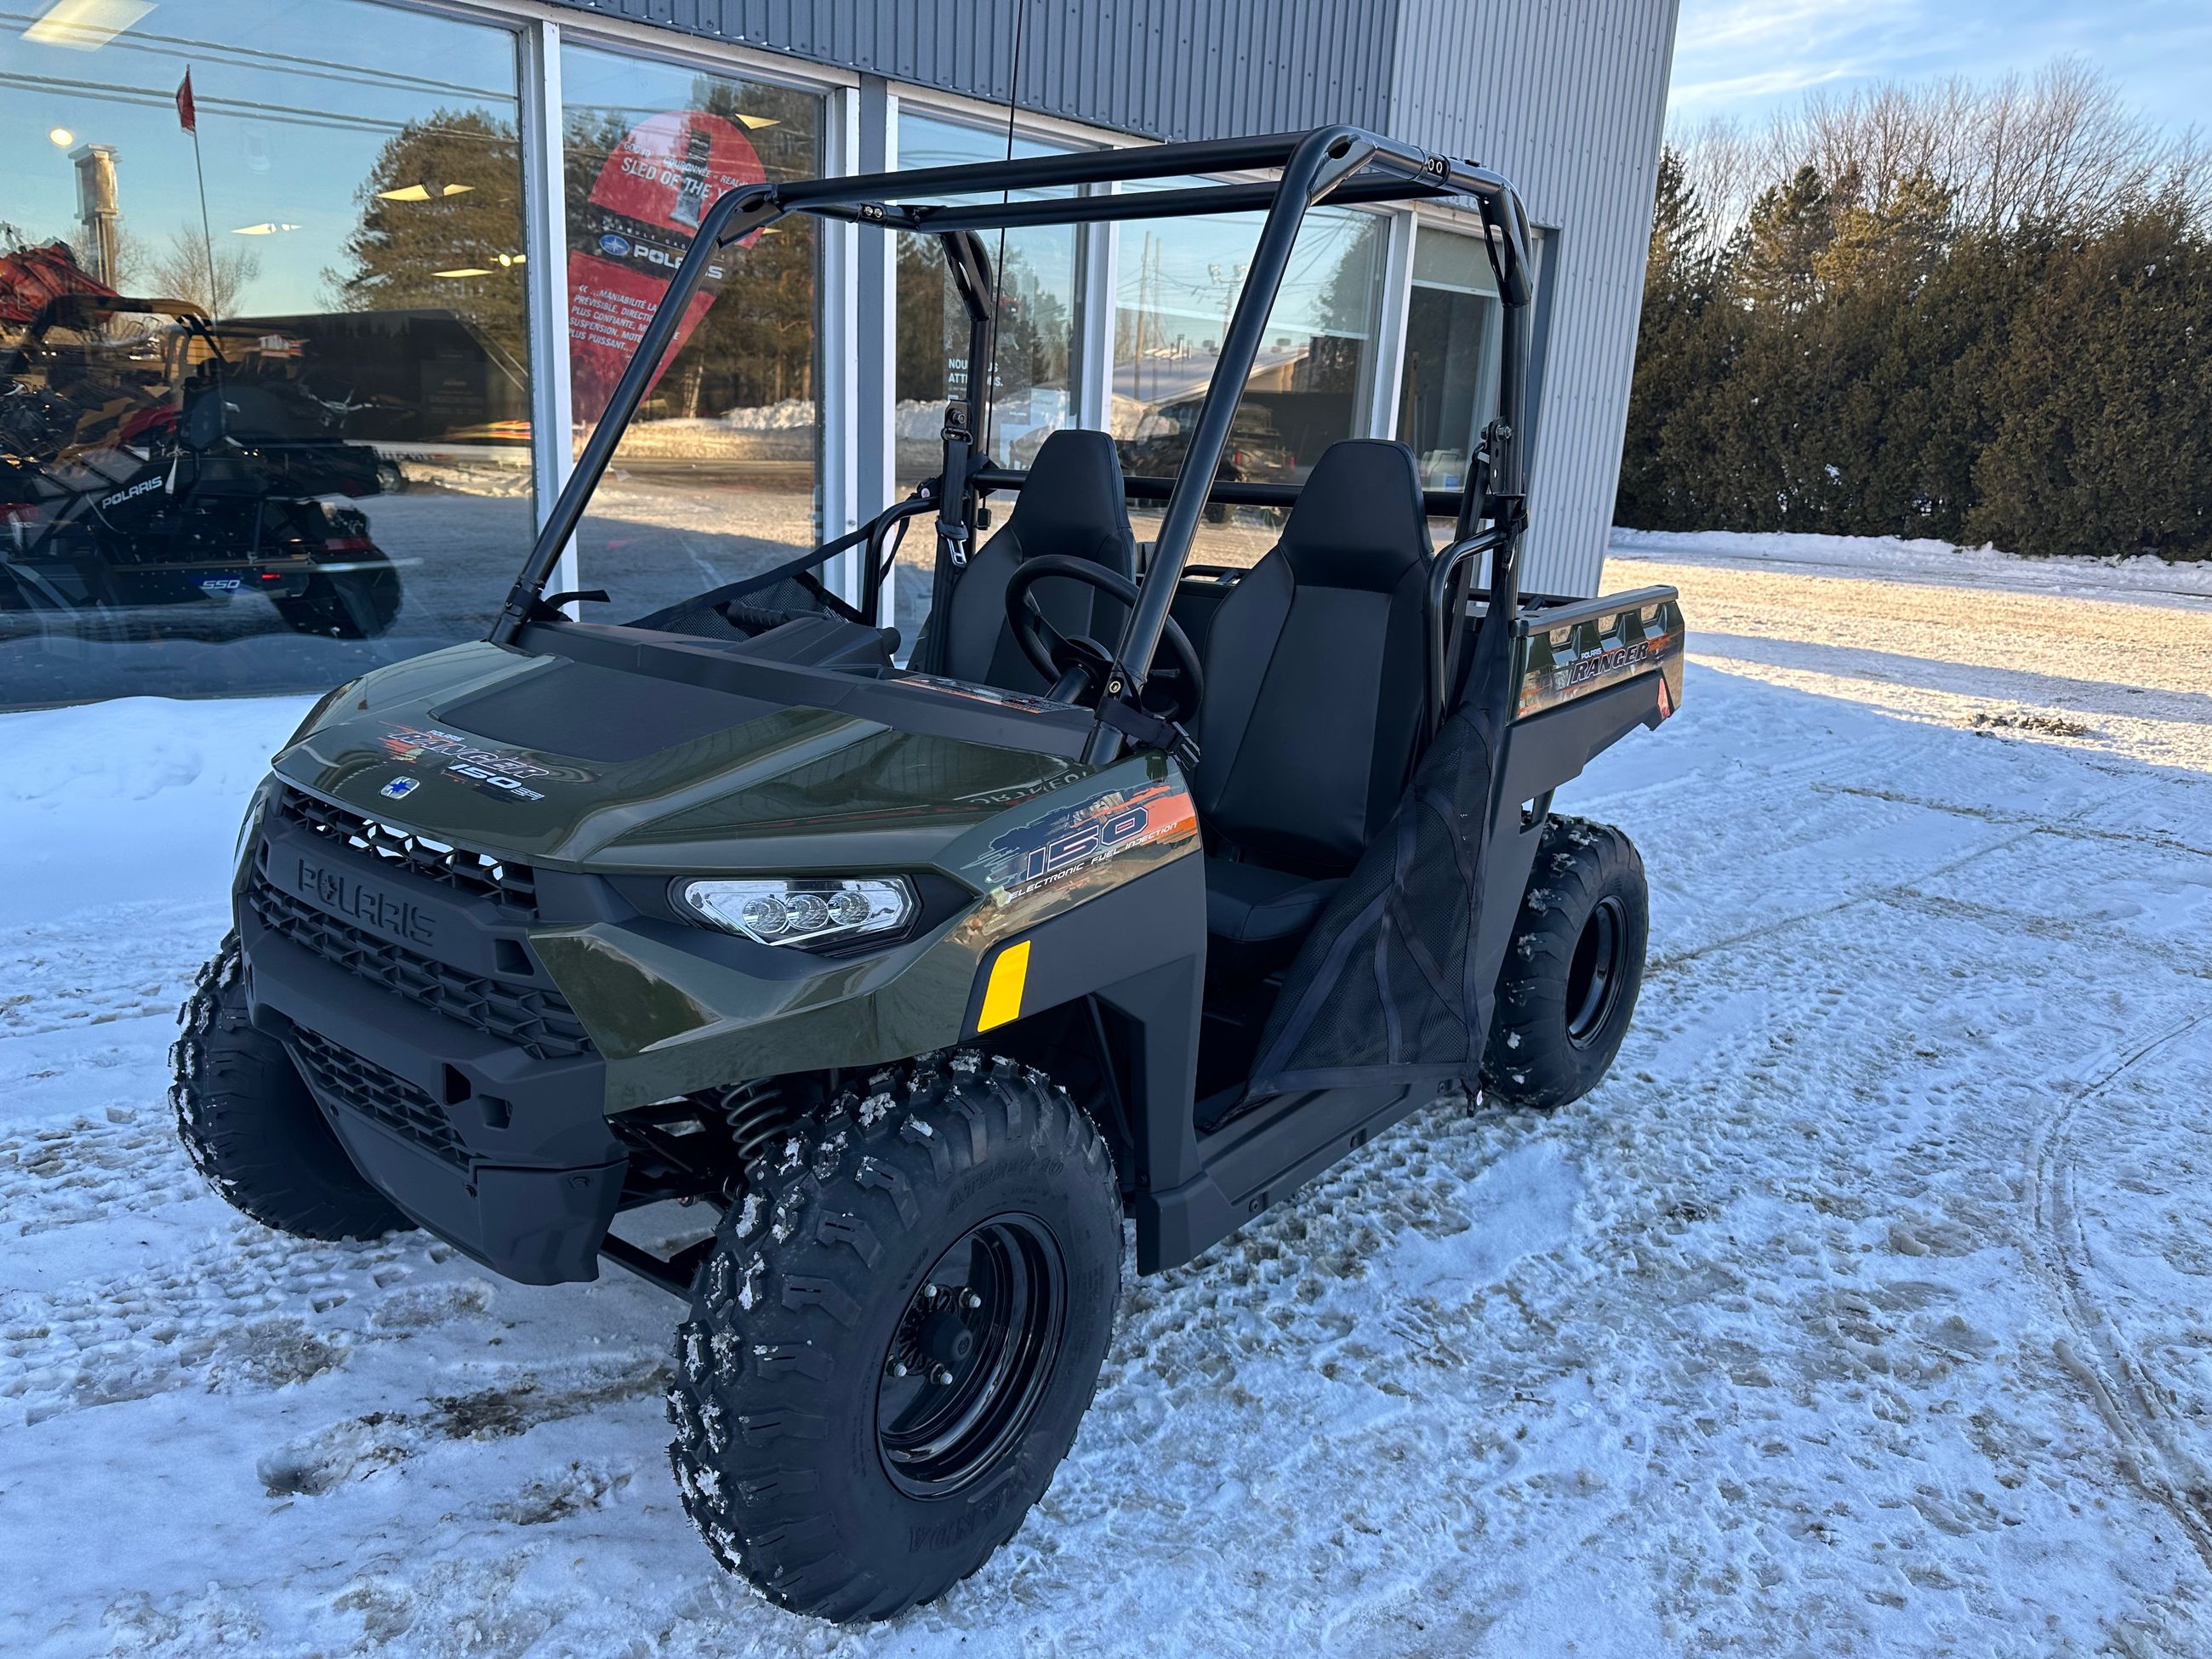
{"x": 497, "y": 772}
{"x": 1073, "y": 837}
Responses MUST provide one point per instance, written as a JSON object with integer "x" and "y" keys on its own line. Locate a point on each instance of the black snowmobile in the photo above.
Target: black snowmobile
{"x": 925, "y": 977}
{"x": 138, "y": 468}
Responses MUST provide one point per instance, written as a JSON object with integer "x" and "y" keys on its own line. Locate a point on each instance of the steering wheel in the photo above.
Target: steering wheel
{"x": 1079, "y": 666}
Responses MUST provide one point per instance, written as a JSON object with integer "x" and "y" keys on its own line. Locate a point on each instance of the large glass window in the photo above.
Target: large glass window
{"x": 1448, "y": 387}
{"x": 1176, "y": 289}
{"x": 1034, "y": 390}
{"x": 1035, "y": 393}
{"x": 718, "y": 474}
{"x": 264, "y": 393}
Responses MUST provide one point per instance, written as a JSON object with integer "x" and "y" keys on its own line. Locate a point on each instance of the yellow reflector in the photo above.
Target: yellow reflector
{"x": 1002, "y": 998}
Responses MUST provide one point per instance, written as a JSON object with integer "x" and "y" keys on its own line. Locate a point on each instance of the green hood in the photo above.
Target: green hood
{"x": 568, "y": 764}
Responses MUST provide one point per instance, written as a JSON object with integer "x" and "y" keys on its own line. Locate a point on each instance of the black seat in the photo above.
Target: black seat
{"x": 1073, "y": 505}
{"x": 1316, "y": 688}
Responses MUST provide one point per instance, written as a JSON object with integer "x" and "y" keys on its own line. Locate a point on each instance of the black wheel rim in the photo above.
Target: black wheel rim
{"x": 1594, "y": 974}
{"x": 971, "y": 1357}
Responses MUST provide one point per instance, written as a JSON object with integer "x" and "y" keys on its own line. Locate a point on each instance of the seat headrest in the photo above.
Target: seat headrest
{"x": 1073, "y": 497}
{"x": 1358, "y": 522}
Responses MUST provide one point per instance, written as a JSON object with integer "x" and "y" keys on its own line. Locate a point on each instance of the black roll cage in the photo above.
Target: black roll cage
{"x": 1339, "y": 164}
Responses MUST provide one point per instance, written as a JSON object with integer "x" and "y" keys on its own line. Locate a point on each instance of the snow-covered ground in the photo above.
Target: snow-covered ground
{"x": 1862, "y": 1311}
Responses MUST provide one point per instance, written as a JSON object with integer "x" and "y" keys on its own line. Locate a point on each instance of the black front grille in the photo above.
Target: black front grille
{"x": 346, "y": 1081}
{"x": 511, "y": 886}
{"x": 538, "y": 1021}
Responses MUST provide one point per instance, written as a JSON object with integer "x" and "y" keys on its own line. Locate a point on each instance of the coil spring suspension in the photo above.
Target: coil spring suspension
{"x": 758, "y": 1116}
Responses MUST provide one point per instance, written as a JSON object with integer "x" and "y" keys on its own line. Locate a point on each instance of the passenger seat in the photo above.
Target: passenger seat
{"x": 1315, "y": 692}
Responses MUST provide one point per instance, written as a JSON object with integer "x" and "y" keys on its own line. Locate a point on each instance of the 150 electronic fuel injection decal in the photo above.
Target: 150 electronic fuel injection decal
{"x": 497, "y": 772}
{"x": 1070, "y": 838}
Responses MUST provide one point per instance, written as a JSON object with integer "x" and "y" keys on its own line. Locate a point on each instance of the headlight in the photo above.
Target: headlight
{"x": 813, "y": 911}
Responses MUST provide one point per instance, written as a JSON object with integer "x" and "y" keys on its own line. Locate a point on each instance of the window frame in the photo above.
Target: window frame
{"x": 856, "y": 471}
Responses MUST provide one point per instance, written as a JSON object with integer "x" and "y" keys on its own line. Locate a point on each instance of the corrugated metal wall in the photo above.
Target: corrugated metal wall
{"x": 1163, "y": 69}
{"x": 1574, "y": 119}
{"x": 1565, "y": 97}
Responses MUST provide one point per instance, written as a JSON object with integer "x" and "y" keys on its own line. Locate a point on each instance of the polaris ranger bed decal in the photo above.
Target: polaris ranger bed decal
{"x": 1558, "y": 665}
{"x": 1071, "y": 838}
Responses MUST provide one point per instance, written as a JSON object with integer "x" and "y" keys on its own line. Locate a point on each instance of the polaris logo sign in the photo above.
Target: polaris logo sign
{"x": 617, "y": 246}
{"x": 336, "y": 891}
{"x": 135, "y": 492}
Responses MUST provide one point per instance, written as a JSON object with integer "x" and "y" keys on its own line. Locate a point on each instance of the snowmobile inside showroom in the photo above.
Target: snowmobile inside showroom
{"x": 139, "y": 467}
{"x": 1143, "y": 891}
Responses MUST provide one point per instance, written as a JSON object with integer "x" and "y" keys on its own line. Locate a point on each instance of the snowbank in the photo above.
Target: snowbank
{"x": 1888, "y": 556}
{"x": 136, "y": 800}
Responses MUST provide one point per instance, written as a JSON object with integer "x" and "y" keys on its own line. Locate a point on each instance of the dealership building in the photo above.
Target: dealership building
{"x": 406, "y": 248}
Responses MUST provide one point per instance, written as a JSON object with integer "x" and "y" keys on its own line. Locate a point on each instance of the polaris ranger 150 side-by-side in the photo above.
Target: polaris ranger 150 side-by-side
{"x": 1139, "y": 891}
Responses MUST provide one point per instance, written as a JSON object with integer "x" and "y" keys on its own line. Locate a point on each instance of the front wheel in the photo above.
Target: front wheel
{"x": 1572, "y": 970}
{"x": 895, "y": 1336}
{"x": 252, "y": 1129}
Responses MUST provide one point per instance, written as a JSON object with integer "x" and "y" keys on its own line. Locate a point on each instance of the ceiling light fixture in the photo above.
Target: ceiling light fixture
{"x": 85, "y": 25}
{"x": 756, "y": 121}
{"x": 269, "y": 228}
{"x": 464, "y": 271}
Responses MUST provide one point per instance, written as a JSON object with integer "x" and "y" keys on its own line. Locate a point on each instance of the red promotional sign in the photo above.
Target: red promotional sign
{"x": 645, "y": 207}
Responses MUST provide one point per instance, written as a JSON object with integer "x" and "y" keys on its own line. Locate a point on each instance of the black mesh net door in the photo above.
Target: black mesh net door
{"x": 1384, "y": 990}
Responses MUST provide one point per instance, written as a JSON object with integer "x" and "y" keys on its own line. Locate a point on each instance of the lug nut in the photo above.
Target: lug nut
{"x": 941, "y": 1376}
{"x": 968, "y": 1299}
{"x": 929, "y": 1292}
{"x": 898, "y": 1367}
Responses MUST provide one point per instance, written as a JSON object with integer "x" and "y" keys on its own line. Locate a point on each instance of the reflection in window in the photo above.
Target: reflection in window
{"x": 1039, "y": 324}
{"x": 1176, "y": 289}
{"x": 716, "y": 476}
{"x": 1449, "y": 388}
{"x": 263, "y": 435}
{"x": 1036, "y": 390}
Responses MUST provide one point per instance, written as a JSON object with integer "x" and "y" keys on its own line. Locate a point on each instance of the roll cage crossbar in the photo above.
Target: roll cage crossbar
{"x": 1334, "y": 164}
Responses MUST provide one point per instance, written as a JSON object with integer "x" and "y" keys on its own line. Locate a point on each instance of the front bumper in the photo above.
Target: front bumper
{"x": 436, "y": 1047}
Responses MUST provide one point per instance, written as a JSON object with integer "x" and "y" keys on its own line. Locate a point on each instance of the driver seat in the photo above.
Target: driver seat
{"x": 1316, "y": 692}
{"x": 1072, "y": 506}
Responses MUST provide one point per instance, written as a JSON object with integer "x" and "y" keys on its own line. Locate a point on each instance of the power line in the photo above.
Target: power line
{"x": 253, "y": 56}
{"x": 156, "y": 97}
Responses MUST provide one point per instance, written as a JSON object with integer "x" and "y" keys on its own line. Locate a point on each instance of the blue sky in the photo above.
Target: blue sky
{"x": 1747, "y": 58}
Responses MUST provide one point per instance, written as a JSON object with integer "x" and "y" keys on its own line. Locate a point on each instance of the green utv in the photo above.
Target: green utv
{"x": 1142, "y": 891}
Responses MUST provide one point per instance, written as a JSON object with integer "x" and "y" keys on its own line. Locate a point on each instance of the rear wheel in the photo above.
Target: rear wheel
{"x": 358, "y": 600}
{"x": 895, "y": 1336}
{"x": 252, "y": 1129}
{"x": 1572, "y": 970}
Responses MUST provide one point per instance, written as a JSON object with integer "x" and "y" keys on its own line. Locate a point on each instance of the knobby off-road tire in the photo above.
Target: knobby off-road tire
{"x": 1568, "y": 987}
{"x": 802, "y": 1367}
{"x": 250, "y": 1125}
{"x": 360, "y": 604}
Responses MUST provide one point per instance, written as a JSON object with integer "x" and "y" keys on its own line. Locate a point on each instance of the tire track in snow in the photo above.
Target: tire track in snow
{"x": 2125, "y": 1394}
{"x": 1905, "y": 887}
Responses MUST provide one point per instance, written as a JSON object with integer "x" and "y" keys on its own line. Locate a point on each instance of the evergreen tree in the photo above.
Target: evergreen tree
{"x": 2104, "y": 443}
{"x": 444, "y": 196}
{"x": 1882, "y": 345}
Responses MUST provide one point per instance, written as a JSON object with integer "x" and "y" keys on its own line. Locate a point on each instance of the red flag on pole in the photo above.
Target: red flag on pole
{"x": 187, "y": 116}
